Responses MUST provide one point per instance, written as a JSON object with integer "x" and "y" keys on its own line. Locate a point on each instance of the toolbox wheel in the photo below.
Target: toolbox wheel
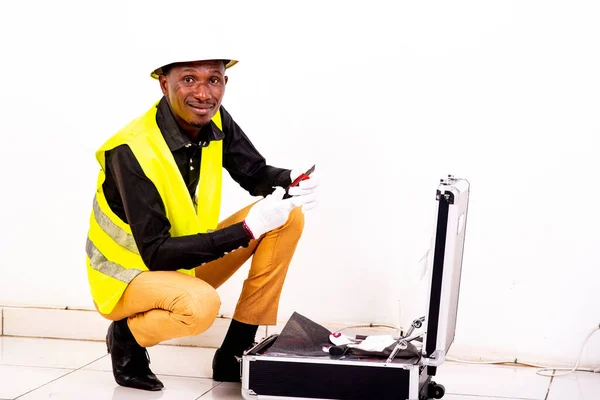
{"x": 436, "y": 391}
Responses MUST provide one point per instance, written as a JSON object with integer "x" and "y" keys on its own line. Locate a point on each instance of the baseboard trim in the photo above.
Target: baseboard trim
{"x": 81, "y": 324}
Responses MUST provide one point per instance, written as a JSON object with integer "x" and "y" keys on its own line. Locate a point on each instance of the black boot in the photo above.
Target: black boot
{"x": 226, "y": 367}
{"x": 226, "y": 362}
{"x": 130, "y": 361}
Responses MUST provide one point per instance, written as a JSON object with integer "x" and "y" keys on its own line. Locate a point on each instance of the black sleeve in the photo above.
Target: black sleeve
{"x": 142, "y": 208}
{"x": 245, "y": 164}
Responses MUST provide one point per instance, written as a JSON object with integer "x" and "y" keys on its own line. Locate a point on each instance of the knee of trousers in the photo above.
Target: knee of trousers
{"x": 295, "y": 223}
{"x": 199, "y": 309}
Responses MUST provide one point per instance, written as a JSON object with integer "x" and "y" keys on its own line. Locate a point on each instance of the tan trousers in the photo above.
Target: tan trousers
{"x": 162, "y": 305}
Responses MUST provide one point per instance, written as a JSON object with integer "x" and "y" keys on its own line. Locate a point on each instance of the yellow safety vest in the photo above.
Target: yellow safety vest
{"x": 113, "y": 259}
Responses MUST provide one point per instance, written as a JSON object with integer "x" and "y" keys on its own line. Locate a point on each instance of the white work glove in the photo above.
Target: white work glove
{"x": 305, "y": 187}
{"x": 273, "y": 211}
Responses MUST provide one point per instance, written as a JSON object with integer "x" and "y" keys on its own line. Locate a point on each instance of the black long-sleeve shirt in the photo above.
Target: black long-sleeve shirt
{"x": 135, "y": 199}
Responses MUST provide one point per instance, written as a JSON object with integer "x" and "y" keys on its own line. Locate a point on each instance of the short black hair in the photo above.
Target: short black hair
{"x": 165, "y": 70}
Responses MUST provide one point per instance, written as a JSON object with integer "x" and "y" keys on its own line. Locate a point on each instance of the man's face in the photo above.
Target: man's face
{"x": 194, "y": 91}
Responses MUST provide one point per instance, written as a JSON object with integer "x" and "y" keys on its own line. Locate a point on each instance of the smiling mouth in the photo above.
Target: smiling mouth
{"x": 201, "y": 109}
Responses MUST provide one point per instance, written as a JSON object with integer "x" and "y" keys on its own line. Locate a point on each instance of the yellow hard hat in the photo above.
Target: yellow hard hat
{"x": 165, "y": 52}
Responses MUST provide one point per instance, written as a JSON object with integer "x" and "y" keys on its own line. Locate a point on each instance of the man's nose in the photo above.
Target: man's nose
{"x": 201, "y": 92}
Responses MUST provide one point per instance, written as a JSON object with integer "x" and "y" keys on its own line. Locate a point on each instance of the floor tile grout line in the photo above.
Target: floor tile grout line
{"x": 491, "y": 396}
{"x": 35, "y": 366}
{"x": 187, "y": 376}
{"x": 209, "y": 390}
{"x": 41, "y": 386}
{"x": 550, "y": 384}
{"x": 157, "y": 374}
{"x": 184, "y": 346}
{"x": 60, "y": 377}
{"x": 65, "y": 339}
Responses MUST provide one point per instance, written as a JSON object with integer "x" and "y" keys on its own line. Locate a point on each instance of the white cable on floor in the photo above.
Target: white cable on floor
{"x": 544, "y": 369}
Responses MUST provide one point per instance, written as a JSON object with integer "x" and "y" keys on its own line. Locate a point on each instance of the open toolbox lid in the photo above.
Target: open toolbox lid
{"x": 446, "y": 266}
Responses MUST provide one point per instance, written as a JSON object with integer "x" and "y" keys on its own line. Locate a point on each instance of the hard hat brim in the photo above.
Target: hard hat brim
{"x": 158, "y": 71}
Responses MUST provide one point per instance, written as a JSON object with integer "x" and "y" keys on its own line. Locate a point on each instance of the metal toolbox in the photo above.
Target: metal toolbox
{"x": 266, "y": 376}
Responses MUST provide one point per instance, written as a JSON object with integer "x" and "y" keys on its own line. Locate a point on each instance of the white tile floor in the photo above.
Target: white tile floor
{"x": 33, "y": 369}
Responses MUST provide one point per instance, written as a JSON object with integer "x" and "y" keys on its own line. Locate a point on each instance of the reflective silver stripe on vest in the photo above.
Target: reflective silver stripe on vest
{"x": 117, "y": 234}
{"x": 101, "y": 264}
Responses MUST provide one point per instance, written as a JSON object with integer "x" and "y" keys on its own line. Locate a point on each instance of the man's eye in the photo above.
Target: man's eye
{"x": 188, "y": 79}
{"x": 214, "y": 80}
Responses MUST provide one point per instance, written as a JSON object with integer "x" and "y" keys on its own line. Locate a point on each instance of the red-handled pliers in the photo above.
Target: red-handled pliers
{"x": 302, "y": 177}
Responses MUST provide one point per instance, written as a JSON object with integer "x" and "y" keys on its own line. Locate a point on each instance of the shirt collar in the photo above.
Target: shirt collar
{"x": 172, "y": 133}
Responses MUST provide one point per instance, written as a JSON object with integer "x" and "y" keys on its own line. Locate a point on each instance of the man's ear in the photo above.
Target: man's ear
{"x": 163, "y": 84}
{"x": 226, "y": 79}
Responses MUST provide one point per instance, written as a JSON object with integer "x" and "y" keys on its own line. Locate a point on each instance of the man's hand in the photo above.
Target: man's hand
{"x": 305, "y": 187}
{"x": 273, "y": 211}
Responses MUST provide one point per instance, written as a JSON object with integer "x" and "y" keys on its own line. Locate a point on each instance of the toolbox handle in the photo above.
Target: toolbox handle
{"x": 262, "y": 345}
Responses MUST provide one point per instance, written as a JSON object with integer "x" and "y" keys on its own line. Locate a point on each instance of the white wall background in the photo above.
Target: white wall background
{"x": 386, "y": 98}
